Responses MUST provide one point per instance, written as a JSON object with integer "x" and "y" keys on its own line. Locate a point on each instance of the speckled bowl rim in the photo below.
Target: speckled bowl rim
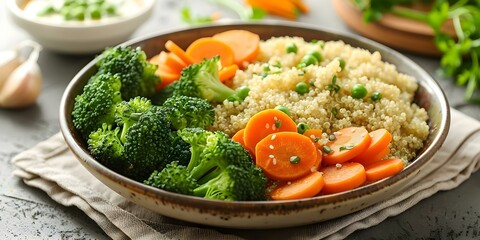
{"x": 422, "y": 159}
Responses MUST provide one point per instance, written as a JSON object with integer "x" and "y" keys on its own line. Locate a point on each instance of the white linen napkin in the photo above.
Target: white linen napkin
{"x": 51, "y": 167}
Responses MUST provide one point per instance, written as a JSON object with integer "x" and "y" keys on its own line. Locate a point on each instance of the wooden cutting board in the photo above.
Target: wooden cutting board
{"x": 396, "y": 32}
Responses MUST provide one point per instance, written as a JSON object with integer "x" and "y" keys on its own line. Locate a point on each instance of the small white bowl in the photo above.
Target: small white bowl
{"x": 75, "y": 37}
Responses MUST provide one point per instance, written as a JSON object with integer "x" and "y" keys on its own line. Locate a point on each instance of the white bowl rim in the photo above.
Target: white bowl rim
{"x": 13, "y": 7}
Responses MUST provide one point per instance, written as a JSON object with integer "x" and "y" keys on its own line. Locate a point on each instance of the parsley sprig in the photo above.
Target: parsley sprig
{"x": 460, "y": 54}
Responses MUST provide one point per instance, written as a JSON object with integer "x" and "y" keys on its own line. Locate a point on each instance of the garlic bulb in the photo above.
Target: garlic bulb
{"x": 22, "y": 86}
{"x": 9, "y": 60}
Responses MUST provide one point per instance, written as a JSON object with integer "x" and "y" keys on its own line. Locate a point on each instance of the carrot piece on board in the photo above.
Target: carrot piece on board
{"x": 304, "y": 187}
{"x": 264, "y": 123}
{"x": 383, "y": 169}
{"x": 301, "y": 6}
{"x": 209, "y": 47}
{"x": 282, "y": 8}
{"x": 245, "y": 44}
{"x": 227, "y": 72}
{"x": 175, "y": 49}
{"x": 286, "y": 155}
{"x": 381, "y": 138}
{"x": 349, "y": 143}
{"x": 343, "y": 177}
{"x": 314, "y": 135}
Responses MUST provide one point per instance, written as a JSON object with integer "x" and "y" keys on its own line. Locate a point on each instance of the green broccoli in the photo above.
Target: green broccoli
{"x": 96, "y": 105}
{"x": 148, "y": 143}
{"x": 221, "y": 167}
{"x": 183, "y": 111}
{"x": 136, "y": 73}
{"x": 179, "y": 150}
{"x": 106, "y": 146}
{"x": 173, "y": 178}
{"x": 128, "y": 113}
{"x": 201, "y": 80}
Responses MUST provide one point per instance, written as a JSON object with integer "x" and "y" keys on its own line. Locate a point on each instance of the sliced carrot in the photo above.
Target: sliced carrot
{"x": 343, "y": 177}
{"x": 264, "y": 123}
{"x": 315, "y": 135}
{"x": 238, "y": 137}
{"x": 381, "y": 138}
{"x": 304, "y": 187}
{"x": 166, "y": 75}
{"x": 209, "y": 47}
{"x": 227, "y": 72}
{"x": 174, "y": 62}
{"x": 175, "y": 49}
{"x": 383, "y": 169}
{"x": 286, "y": 155}
{"x": 349, "y": 143}
{"x": 245, "y": 44}
{"x": 374, "y": 158}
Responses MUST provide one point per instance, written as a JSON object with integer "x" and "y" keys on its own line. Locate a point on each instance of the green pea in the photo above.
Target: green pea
{"x": 78, "y": 13}
{"x": 376, "y": 96}
{"x": 47, "y": 11}
{"x": 95, "y": 12}
{"x": 301, "y": 88}
{"x": 359, "y": 91}
{"x": 292, "y": 48}
{"x": 308, "y": 60}
{"x": 242, "y": 92}
{"x": 294, "y": 159}
{"x": 316, "y": 54}
{"x": 327, "y": 149}
{"x": 110, "y": 9}
{"x": 283, "y": 109}
{"x": 302, "y": 127}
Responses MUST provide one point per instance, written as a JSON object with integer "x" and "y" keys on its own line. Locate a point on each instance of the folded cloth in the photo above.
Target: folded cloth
{"x": 51, "y": 166}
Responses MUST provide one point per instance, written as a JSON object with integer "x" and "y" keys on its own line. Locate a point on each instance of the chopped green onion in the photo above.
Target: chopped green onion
{"x": 294, "y": 159}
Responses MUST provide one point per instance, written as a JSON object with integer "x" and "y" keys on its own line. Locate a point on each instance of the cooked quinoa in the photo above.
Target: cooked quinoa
{"x": 273, "y": 76}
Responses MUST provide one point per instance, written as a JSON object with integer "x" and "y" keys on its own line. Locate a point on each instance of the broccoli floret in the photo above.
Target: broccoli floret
{"x": 201, "y": 80}
{"x": 128, "y": 113}
{"x": 234, "y": 183}
{"x": 106, "y": 146}
{"x": 183, "y": 111}
{"x": 136, "y": 73}
{"x": 148, "y": 144}
{"x": 180, "y": 150}
{"x": 174, "y": 178}
{"x": 96, "y": 105}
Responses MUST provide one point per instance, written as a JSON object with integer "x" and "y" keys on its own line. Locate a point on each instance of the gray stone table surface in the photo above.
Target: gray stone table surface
{"x": 27, "y": 213}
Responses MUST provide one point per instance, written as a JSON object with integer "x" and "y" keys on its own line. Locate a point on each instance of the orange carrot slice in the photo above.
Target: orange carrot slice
{"x": 174, "y": 62}
{"x": 381, "y": 138}
{"x": 264, "y": 123}
{"x": 349, "y": 143}
{"x": 378, "y": 157}
{"x": 227, "y": 72}
{"x": 301, "y": 6}
{"x": 314, "y": 135}
{"x": 166, "y": 75}
{"x": 304, "y": 187}
{"x": 286, "y": 155}
{"x": 245, "y": 44}
{"x": 383, "y": 169}
{"x": 343, "y": 177}
{"x": 175, "y": 49}
{"x": 209, "y": 47}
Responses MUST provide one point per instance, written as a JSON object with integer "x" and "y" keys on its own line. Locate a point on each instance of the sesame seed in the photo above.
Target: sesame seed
{"x": 273, "y": 127}
{"x": 271, "y": 147}
{"x": 274, "y": 161}
{"x": 313, "y": 169}
{"x": 274, "y": 136}
{"x": 338, "y": 165}
{"x": 271, "y": 156}
{"x": 312, "y": 136}
{"x": 267, "y": 126}
{"x": 289, "y": 182}
{"x": 275, "y": 118}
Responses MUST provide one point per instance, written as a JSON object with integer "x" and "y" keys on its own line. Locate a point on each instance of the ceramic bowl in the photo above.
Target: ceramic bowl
{"x": 74, "y": 37}
{"x": 264, "y": 214}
